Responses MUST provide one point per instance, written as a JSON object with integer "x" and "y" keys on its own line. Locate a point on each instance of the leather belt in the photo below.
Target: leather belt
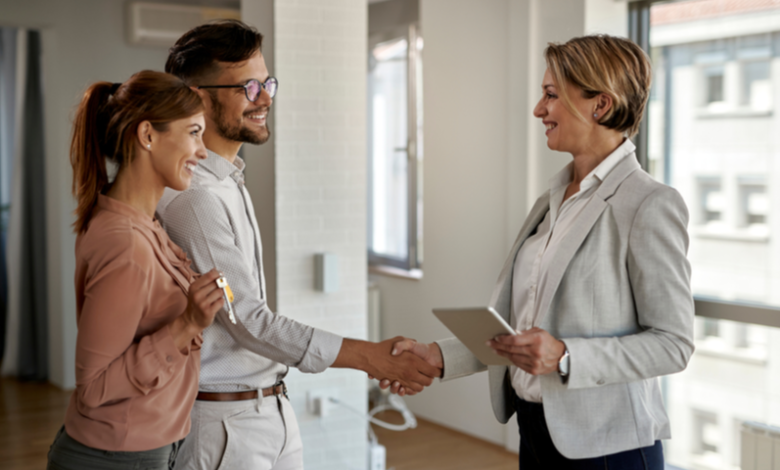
{"x": 278, "y": 389}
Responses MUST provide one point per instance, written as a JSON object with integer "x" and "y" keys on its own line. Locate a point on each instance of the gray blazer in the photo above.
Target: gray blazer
{"x": 619, "y": 297}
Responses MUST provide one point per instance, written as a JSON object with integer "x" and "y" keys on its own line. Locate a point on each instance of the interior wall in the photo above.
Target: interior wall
{"x": 83, "y": 41}
{"x": 320, "y": 197}
{"x": 486, "y": 162}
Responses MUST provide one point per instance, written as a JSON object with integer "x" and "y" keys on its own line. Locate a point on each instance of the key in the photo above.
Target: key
{"x": 228, "y": 293}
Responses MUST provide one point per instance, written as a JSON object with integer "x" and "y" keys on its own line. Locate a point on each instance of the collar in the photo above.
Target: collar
{"x": 598, "y": 174}
{"x": 105, "y": 203}
{"x": 222, "y": 168}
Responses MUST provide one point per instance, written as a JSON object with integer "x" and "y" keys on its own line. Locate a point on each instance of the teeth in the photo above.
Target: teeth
{"x": 189, "y": 165}
{"x": 551, "y": 126}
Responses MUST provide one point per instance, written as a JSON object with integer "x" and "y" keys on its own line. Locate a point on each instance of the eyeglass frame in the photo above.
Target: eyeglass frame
{"x": 246, "y": 89}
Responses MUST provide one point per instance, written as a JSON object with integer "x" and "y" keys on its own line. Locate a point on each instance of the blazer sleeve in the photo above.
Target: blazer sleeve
{"x": 660, "y": 274}
{"x": 458, "y": 360}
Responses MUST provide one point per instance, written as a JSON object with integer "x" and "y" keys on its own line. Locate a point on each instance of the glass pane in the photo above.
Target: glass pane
{"x": 712, "y": 127}
{"x": 733, "y": 378}
{"x": 388, "y": 141}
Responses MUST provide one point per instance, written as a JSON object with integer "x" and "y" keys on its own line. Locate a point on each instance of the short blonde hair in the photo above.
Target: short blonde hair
{"x": 604, "y": 64}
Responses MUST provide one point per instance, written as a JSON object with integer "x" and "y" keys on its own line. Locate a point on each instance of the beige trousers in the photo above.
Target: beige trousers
{"x": 250, "y": 434}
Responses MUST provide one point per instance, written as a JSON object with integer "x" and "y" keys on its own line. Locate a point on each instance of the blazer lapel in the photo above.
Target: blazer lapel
{"x": 569, "y": 245}
{"x": 501, "y": 299}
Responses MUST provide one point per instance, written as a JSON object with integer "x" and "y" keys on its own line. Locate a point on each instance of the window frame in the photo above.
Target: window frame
{"x": 411, "y": 265}
{"x": 708, "y": 307}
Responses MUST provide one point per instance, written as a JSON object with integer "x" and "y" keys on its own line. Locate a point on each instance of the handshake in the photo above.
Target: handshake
{"x": 407, "y": 367}
{"x": 400, "y": 363}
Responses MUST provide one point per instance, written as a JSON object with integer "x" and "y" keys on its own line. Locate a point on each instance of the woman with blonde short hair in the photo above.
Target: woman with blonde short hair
{"x": 597, "y": 284}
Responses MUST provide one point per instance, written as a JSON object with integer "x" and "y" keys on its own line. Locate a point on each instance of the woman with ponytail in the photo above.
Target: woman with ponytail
{"x": 140, "y": 308}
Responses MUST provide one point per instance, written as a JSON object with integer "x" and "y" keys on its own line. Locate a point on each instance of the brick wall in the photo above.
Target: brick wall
{"x": 319, "y": 48}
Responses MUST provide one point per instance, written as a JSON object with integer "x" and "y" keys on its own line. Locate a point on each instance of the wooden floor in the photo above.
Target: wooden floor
{"x": 32, "y": 413}
{"x": 433, "y": 447}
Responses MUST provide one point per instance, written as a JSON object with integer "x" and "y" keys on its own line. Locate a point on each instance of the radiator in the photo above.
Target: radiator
{"x": 760, "y": 447}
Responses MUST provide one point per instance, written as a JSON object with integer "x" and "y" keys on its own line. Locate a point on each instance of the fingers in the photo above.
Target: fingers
{"x": 205, "y": 280}
{"x": 406, "y": 344}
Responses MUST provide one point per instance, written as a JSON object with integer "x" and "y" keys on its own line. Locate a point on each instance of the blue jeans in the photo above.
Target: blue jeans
{"x": 537, "y": 450}
{"x": 67, "y": 453}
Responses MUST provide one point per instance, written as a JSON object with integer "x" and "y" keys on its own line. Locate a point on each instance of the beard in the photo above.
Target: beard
{"x": 235, "y": 130}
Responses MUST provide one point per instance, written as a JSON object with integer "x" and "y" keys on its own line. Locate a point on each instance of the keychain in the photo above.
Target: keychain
{"x": 223, "y": 284}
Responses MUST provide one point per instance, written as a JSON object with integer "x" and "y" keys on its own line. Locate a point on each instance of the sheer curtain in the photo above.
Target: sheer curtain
{"x": 23, "y": 277}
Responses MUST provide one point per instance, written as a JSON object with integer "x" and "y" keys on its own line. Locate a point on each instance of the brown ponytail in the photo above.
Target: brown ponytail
{"x": 105, "y": 128}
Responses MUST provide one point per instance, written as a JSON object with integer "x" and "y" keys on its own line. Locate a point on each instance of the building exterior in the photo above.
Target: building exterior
{"x": 714, "y": 134}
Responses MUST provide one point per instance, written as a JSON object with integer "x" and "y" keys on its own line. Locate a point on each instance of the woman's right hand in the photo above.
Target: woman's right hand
{"x": 204, "y": 300}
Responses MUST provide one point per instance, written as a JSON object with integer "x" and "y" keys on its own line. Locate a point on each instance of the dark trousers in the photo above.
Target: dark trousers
{"x": 537, "y": 450}
{"x": 67, "y": 453}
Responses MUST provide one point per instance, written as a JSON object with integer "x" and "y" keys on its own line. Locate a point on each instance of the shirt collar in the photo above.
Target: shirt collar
{"x": 222, "y": 168}
{"x": 563, "y": 177}
{"x": 106, "y": 203}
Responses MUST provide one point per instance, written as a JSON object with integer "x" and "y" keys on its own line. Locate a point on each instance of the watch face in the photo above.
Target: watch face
{"x": 563, "y": 364}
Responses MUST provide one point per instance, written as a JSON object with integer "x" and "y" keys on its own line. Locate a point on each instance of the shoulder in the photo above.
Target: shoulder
{"x": 200, "y": 200}
{"x": 640, "y": 191}
{"x": 112, "y": 239}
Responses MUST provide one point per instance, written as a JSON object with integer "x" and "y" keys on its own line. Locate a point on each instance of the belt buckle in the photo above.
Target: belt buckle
{"x": 284, "y": 388}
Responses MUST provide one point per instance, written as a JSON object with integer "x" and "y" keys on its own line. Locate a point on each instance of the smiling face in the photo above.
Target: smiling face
{"x": 176, "y": 151}
{"x": 231, "y": 114}
{"x": 565, "y": 131}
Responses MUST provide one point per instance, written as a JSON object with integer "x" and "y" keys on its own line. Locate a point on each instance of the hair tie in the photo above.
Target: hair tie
{"x": 115, "y": 87}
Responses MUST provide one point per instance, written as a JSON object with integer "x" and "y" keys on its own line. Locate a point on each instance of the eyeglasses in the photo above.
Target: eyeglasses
{"x": 253, "y": 88}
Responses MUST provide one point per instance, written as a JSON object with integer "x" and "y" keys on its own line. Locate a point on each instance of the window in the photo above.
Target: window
{"x": 713, "y": 84}
{"x": 710, "y": 132}
{"x": 395, "y": 147}
{"x": 756, "y": 85}
{"x": 711, "y": 203}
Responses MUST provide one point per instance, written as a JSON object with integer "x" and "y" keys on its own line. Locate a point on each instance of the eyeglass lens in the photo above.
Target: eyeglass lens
{"x": 254, "y": 88}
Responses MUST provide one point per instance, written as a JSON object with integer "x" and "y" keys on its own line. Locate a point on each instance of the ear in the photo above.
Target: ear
{"x": 144, "y": 134}
{"x": 603, "y": 103}
{"x": 205, "y": 96}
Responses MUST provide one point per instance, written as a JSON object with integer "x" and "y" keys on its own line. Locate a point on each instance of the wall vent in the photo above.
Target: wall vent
{"x": 157, "y": 24}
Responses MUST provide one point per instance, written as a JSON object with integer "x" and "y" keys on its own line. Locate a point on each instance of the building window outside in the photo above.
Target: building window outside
{"x": 713, "y": 84}
{"x": 712, "y": 124}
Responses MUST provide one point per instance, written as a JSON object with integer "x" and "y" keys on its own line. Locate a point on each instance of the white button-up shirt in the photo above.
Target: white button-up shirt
{"x": 532, "y": 261}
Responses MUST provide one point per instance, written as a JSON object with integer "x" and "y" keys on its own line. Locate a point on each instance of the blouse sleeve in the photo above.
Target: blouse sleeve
{"x": 111, "y": 363}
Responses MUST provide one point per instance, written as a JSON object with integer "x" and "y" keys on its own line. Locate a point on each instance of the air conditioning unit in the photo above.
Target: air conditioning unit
{"x": 157, "y": 24}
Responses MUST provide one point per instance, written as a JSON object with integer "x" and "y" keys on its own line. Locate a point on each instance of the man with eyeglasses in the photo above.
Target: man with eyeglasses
{"x": 242, "y": 418}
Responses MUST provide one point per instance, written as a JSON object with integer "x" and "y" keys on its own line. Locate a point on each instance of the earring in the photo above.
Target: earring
{"x": 149, "y": 146}
{"x": 596, "y": 115}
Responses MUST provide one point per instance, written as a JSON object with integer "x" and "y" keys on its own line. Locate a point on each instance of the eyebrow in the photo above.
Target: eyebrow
{"x": 545, "y": 87}
{"x": 195, "y": 125}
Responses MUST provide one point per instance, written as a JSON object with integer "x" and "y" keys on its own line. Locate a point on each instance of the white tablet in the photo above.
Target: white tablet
{"x": 475, "y": 327}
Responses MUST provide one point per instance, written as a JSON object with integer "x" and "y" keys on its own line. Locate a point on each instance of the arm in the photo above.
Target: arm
{"x": 110, "y": 365}
{"x": 660, "y": 280}
{"x": 197, "y": 221}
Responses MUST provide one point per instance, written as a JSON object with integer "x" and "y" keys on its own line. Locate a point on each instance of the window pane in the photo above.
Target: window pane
{"x": 389, "y": 137}
{"x": 712, "y": 134}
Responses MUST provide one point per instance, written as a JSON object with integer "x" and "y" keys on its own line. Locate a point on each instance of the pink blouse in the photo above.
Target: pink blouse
{"x": 134, "y": 389}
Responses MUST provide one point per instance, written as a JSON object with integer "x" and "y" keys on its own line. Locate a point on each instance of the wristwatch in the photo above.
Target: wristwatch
{"x": 563, "y": 363}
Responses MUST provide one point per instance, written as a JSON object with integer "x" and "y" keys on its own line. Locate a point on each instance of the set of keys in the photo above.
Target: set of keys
{"x": 228, "y": 293}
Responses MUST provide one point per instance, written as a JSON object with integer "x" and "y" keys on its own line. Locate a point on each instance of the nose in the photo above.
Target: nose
{"x": 539, "y": 110}
{"x": 264, "y": 98}
{"x": 201, "y": 153}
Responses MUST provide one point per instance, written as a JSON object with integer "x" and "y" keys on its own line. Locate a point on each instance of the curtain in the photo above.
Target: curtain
{"x": 26, "y": 337}
{"x": 8, "y": 67}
